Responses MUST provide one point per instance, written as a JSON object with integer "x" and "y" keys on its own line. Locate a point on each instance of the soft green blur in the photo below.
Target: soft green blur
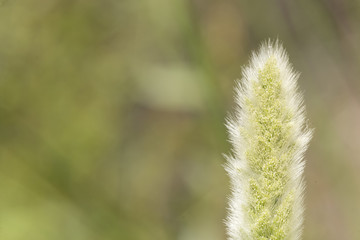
{"x": 112, "y": 114}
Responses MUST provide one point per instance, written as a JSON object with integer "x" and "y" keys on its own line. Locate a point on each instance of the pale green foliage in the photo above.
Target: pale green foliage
{"x": 269, "y": 138}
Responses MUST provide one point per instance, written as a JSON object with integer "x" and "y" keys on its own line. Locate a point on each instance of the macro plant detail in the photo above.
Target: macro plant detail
{"x": 269, "y": 135}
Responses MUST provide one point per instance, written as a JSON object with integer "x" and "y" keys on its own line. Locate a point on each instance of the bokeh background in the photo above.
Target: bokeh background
{"x": 112, "y": 114}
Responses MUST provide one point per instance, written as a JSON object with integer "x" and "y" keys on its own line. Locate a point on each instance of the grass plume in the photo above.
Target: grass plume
{"x": 269, "y": 136}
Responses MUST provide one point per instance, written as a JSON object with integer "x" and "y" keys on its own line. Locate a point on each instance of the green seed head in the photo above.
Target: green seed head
{"x": 269, "y": 138}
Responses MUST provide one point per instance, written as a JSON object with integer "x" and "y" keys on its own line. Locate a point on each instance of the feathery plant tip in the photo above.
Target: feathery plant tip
{"x": 269, "y": 136}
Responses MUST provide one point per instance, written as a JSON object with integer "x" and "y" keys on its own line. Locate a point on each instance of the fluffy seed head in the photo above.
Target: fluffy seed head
{"x": 269, "y": 136}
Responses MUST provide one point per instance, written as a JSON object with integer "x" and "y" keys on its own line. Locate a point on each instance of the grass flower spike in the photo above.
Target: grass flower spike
{"x": 269, "y": 136}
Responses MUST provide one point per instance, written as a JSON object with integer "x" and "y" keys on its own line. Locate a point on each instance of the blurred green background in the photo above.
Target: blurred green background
{"x": 112, "y": 114}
